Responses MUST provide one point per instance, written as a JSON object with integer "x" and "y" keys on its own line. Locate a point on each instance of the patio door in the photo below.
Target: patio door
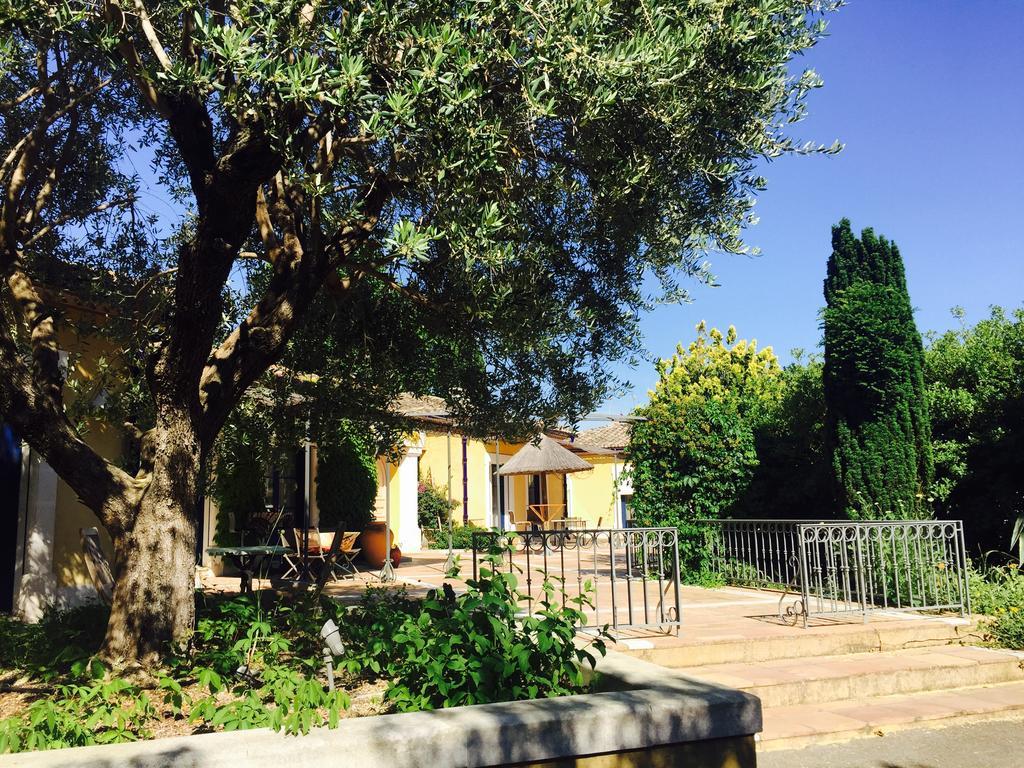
{"x": 10, "y": 486}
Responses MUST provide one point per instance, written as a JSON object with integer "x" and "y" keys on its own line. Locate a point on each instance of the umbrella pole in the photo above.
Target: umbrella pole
{"x": 387, "y": 573}
{"x": 449, "y": 563}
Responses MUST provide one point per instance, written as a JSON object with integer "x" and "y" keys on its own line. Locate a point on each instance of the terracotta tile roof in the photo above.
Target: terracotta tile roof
{"x": 613, "y": 437}
{"x": 428, "y": 405}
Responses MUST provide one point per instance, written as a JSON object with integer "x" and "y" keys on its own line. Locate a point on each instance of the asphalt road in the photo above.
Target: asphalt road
{"x": 998, "y": 744}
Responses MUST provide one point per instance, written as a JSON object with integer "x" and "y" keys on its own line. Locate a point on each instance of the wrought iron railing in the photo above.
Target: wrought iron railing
{"x": 846, "y": 567}
{"x": 629, "y": 578}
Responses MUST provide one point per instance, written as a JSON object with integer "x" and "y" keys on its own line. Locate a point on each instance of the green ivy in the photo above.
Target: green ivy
{"x": 346, "y": 477}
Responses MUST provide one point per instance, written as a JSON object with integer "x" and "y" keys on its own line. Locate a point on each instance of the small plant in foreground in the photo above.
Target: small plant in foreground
{"x": 478, "y": 647}
{"x": 1008, "y": 628}
{"x": 996, "y": 589}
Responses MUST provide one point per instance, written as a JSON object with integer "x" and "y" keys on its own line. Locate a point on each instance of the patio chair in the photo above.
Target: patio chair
{"x": 347, "y": 553}
{"x": 96, "y": 563}
{"x": 293, "y": 566}
{"x": 320, "y": 548}
{"x": 520, "y": 523}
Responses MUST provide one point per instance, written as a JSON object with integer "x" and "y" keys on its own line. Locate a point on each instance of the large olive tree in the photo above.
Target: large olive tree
{"x": 508, "y": 174}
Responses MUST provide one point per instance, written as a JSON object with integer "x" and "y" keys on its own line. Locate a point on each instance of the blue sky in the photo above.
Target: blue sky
{"x": 928, "y": 97}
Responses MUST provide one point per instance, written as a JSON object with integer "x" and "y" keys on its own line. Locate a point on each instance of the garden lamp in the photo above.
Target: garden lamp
{"x": 332, "y": 647}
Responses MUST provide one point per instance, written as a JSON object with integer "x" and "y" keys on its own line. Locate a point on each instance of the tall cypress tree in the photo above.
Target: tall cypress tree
{"x": 874, "y": 381}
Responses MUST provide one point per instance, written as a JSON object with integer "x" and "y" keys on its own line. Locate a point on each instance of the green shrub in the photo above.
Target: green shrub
{"x": 277, "y": 645}
{"x": 462, "y": 537}
{"x": 346, "y": 479}
{"x": 435, "y": 510}
{"x": 51, "y": 648}
{"x": 1008, "y": 628}
{"x": 995, "y": 590}
{"x": 477, "y": 647}
{"x": 255, "y": 661}
{"x": 98, "y": 712}
{"x": 369, "y": 626}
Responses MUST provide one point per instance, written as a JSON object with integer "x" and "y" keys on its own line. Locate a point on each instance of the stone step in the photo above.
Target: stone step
{"x": 833, "y": 639}
{"x": 799, "y": 726}
{"x": 790, "y": 682}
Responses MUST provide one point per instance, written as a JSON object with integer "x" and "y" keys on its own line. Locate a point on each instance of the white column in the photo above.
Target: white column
{"x": 36, "y": 586}
{"x": 408, "y": 533}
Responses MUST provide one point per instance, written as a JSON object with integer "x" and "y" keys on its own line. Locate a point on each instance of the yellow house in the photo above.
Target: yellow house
{"x": 467, "y": 468}
{"x": 41, "y": 559}
{"x": 436, "y": 451}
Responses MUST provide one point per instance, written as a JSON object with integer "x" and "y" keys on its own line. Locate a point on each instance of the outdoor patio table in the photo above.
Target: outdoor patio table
{"x": 248, "y": 559}
{"x": 569, "y": 524}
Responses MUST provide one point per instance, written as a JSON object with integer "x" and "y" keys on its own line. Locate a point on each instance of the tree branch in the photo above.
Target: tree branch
{"x": 260, "y": 339}
{"x": 39, "y": 419}
{"x": 77, "y": 216}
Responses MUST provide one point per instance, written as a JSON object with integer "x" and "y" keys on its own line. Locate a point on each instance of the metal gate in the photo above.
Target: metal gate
{"x": 848, "y": 567}
{"x": 628, "y": 578}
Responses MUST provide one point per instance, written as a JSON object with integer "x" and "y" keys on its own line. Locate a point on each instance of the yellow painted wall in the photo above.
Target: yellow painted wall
{"x": 70, "y": 514}
{"x": 593, "y": 493}
{"x": 479, "y": 457}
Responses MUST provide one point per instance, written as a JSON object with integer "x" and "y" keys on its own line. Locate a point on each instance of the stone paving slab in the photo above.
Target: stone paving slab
{"x": 789, "y": 727}
{"x": 886, "y": 662}
{"x": 788, "y": 682}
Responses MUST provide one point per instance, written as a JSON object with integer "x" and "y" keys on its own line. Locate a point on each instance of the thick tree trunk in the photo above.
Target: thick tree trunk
{"x": 154, "y": 560}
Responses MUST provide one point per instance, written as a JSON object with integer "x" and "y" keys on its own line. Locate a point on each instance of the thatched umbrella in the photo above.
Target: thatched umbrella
{"x": 544, "y": 458}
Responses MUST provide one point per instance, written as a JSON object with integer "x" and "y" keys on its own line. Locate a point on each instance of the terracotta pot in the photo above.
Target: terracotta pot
{"x": 373, "y": 543}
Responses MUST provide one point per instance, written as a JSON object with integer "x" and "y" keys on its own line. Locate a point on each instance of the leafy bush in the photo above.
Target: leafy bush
{"x": 97, "y": 712}
{"x": 975, "y": 377}
{"x": 1008, "y": 628}
{"x": 56, "y": 645}
{"x": 477, "y": 647}
{"x": 369, "y": 627}
{"x": 268, "y": 657}
{"x": 996, "y": 590}
{"x": 462, "y": 537}
{"x": 435, "y": 510}
{"x": 346, "y": 478}
{"x": 255, "y": 661}
{"x": 693, "y": 456}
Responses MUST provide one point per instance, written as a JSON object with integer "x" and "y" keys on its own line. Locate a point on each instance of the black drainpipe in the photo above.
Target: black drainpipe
{"x": 465, "y": 482}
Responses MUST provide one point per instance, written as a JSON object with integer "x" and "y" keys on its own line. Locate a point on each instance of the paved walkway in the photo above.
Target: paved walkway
{"x": 725, "y": 617}
{"x": 975, "y": 745}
